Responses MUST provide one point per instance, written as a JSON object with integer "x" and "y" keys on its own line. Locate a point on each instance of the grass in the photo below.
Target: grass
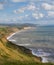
{"x": 25, "y": 63}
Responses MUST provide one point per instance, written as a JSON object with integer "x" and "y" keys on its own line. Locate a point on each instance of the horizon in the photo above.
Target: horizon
{"x": 26, "y": 23}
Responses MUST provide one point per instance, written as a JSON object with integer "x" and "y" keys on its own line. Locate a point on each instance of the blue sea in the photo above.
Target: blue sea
{"x": 39, "y": 39}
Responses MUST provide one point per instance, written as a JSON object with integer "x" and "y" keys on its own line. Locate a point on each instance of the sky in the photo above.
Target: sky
{"x": 27, "y": 11}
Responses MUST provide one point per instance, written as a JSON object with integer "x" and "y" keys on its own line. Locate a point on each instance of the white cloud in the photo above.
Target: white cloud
{"x": 22, "y": 10}
{"x": 37, "y": 15}
{"x": 29, "y": 0}
{"x": 26, "y": 15}
{"x": 41, "y": 15}
{"x": 4, "y": 20}
{"x": 18, "y": 0}
{"x": 51, "y": 13}
{"x": 19, "y": 11}
{"x": 1, "y": 7}
{"x": 20, "y": 17}
{"x": 30, "y": 7}
{"x": 47, "y": 6}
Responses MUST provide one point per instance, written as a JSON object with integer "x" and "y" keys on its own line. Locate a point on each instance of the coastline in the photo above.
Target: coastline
{"x": 43, "y": 59}
{"x": 11, "y": 52}
{"x": 7, "y": 46}
{"x": 22, "y": 30}
{"x": 13, "y": 34}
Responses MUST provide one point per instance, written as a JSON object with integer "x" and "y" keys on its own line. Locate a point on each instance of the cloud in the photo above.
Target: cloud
{"x": 3, "y": 3}
{"x": 47, "y": 6}
{"x": 19, "y": 11}
{"x": 37, "y": 15}
{"x": 29, "y": 7}
{"x": 33, "y": 9}
{"x": 51, "y": 13}
{"x": 29, "y": 0}
{"x": 1, "y": 7}
{"x": 18, "y": 1}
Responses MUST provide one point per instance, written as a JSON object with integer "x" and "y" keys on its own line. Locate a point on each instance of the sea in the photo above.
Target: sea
{"x": 40, "y": 40}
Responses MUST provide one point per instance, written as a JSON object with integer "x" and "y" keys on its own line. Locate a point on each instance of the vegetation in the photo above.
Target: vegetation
{"x": 11, "y": 54}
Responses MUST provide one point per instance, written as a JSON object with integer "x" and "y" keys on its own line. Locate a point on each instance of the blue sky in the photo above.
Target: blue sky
{"x": 27, "y": 11}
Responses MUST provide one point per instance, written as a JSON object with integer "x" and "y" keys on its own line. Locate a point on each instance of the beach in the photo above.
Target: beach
{"x": 17, "y": 32}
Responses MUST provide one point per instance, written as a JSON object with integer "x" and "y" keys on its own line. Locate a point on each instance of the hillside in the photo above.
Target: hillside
{"x": 11, "y": 54}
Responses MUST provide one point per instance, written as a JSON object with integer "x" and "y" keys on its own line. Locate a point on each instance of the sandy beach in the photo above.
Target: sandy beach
{"x": 25, "y": 29}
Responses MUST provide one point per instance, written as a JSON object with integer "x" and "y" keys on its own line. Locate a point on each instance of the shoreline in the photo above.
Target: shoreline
{"x": 22, "y": 30}
{"x": 44, "y": 60}
{"x": 13, "y": 34}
